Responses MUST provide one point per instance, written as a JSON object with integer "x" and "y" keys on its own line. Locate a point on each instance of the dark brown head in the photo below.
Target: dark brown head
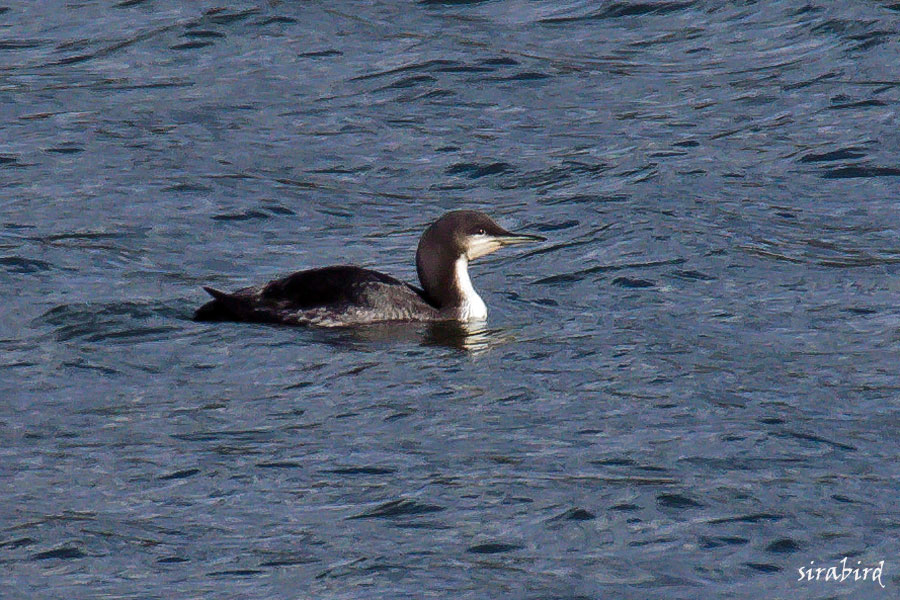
{"x": 460, "y": 234}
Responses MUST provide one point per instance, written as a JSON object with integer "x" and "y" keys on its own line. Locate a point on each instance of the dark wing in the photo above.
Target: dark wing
{"x": 328, "y": 296}
{"x": 328, "y": 286}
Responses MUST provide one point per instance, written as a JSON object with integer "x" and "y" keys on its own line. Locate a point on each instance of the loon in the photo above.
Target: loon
{"x": 347, "y": 295}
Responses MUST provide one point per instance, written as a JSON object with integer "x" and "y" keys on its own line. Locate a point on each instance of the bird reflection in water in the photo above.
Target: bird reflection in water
{"x": 472, "y": 336}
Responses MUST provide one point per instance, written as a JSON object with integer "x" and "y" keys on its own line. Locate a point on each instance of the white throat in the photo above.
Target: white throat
{"x": 473, "y": 308}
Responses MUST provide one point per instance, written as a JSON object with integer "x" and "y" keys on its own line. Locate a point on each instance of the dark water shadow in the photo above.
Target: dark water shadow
{"x": 467, "y": 337}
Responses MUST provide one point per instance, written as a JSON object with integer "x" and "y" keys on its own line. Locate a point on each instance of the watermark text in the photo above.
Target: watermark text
{"x": 841, "y": 572}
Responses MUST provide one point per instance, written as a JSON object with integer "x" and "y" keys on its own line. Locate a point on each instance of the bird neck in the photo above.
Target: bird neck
{"x": 445, "y": 280}
{"x": 472, "y": 307}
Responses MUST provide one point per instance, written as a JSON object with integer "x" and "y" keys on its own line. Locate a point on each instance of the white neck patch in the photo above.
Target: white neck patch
{"x": 473, "y": 307}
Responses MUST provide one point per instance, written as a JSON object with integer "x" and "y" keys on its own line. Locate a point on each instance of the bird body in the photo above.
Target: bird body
{"x": 348, "y": 295}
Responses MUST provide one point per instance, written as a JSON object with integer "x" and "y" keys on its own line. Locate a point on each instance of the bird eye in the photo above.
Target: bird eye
{"x": 480, "y": 232}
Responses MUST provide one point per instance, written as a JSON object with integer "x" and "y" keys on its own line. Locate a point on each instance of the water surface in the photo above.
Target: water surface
{"x": 689, "y": 391}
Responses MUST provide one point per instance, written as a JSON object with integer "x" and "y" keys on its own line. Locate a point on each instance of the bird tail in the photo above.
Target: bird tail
{"x": 218, "y": 309}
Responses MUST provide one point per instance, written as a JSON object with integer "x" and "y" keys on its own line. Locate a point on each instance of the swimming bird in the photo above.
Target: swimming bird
{"x": 349, "y": 295}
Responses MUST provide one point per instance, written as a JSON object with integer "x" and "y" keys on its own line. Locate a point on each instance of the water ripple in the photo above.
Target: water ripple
{"x": 700, "y": 358}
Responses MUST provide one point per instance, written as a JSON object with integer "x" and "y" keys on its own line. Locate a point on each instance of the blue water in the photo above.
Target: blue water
{"x": 689, "y": 391}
